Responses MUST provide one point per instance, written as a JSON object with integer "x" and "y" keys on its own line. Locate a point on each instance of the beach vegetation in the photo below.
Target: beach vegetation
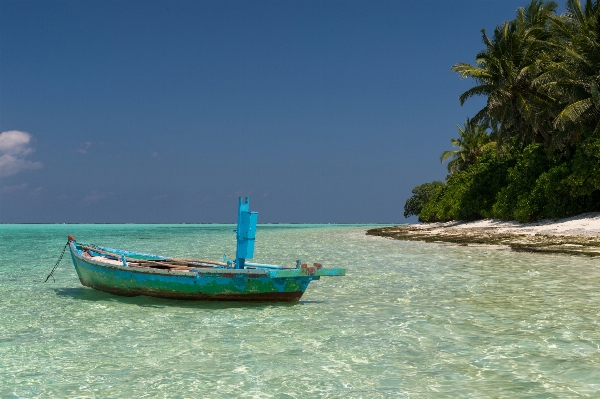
{"x": 472, "y": 141}
{"x": 469, "y": 194}
{"x": 533, "y": 150}
{"x": 421, "y": 195}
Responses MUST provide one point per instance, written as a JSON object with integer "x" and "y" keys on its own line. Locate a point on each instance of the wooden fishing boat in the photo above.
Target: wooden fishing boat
{"x": 131, "y": 273}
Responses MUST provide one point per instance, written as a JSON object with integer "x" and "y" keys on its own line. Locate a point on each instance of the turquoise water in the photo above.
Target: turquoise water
{"x": 409, "y": 320}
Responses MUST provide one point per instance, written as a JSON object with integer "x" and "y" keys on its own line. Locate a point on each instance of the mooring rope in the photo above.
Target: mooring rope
{"x": 57, "y": 262}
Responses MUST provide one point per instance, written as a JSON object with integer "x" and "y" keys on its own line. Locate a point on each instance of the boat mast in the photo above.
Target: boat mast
{"x": 245, "y": 233}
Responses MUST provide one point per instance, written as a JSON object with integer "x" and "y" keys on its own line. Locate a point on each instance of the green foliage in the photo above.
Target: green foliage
{"x": 532, "y": 163}
{"x": 572, "y": 77}
{"x": 539, "y": 74}
{"x": 472, "y": 141}
{"x": 585, "y": 178}
{"x": 505, "y": 70}
{"x": 469, "y": 194}
{"x": 549, "y": 198}
{"x": 528, "y": 187}
{"x": 421, "y": 195}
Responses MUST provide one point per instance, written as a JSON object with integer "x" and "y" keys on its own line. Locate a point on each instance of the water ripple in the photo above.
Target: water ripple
{"x": 409, "y": 320}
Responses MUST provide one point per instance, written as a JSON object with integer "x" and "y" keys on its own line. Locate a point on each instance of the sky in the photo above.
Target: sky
{"x": 168, "y": 111}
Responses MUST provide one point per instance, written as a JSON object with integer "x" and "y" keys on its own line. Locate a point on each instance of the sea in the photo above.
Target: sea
{"x": 409, "y": 320}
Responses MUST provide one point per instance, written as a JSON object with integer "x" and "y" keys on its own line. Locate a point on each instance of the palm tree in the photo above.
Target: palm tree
{"x": 504, "y": 72}
{"x": 575, "y": 76}
{"x": 472, "y": 140}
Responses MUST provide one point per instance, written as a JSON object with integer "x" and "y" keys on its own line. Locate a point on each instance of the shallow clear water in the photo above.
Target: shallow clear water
{"x": 408, "y": 320}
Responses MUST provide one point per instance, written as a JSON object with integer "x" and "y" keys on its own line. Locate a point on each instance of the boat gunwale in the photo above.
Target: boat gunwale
{"x": 214, "y": 271}
{"x": 193, "y": 273}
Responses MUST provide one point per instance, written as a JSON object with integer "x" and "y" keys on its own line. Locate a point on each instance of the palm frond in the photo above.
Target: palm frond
{"x": 469, "y": 71}
{"x": 572, "y": 112}
{"x": 480, "y": 90}
{"x": 448, "y": 154}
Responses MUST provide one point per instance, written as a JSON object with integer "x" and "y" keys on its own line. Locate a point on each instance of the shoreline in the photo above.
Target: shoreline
{"x": 578, "y": 235}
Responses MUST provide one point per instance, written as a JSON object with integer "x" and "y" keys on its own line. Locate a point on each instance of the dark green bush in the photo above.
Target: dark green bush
{"x": 421, "y": 195}
{"x": 529, "y": 187}
{"x": 585, "y": 176}
{"x": 520, "y": 180}
{"x": 541, "y": 187}
{"x": 548, "y": 198}
{"x": 469, "y": 194}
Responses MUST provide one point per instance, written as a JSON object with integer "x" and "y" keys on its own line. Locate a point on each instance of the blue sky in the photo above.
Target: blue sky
{"x": 167, "y": 111}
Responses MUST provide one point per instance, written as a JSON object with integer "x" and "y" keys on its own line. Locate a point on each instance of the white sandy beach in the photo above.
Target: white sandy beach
{"x": 577, "y": 235}
{"x": 587, "y": 224}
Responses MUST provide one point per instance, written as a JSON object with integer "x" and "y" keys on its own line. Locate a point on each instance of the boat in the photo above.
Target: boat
{"x": 131, "y": 273}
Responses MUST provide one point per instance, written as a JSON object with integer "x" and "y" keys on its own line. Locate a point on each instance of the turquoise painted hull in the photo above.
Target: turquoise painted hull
{"x": 258, "y": 283}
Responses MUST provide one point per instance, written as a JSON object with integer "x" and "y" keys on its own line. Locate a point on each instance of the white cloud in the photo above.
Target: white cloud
{"x": 15, "y": 142}
{"x": 12, "y": 189}
{"x": 14, "y": 147}
{"x": 84, "y": 147}
{"x": 11, "y": 165}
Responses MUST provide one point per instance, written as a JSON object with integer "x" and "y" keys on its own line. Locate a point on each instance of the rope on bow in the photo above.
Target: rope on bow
{"x": 57, "y": 262}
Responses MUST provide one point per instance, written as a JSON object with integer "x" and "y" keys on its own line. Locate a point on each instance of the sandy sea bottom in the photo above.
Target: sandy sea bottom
{"x": 409, "y": 320}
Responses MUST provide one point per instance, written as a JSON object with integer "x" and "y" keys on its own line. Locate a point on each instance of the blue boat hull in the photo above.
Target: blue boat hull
{"x": 201, "y": 284}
